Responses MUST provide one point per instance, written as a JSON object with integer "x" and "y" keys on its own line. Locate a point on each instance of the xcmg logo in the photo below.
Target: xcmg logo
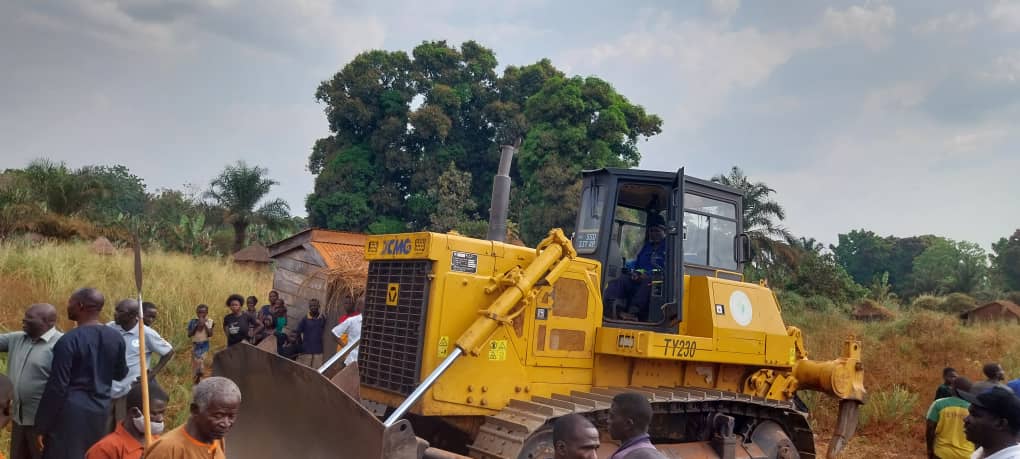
{"x": 396, "y": 247}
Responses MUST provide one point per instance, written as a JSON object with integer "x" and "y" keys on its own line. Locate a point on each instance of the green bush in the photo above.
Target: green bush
{"x": 1014, "y": 297}
{"x": 955, "y": 303}
{"x": 894, "y": 407}
{"x": 985, "y": 295}
{"x": 790, "y": 301}
{"x": 926, "y": 303}
{"x": 820, "y": 303}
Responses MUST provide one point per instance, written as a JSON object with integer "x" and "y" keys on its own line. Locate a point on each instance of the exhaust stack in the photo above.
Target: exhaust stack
{"x": 500, "y": 203}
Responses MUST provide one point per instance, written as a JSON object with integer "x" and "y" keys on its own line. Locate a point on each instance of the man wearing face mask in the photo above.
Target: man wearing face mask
{"x": 127, "y": 441}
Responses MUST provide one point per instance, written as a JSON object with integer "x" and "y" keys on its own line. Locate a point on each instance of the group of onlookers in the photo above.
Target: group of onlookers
{"x": 78, "y": 394}
{"x": 302, "y": 342}
{"x": 975, "y": 420}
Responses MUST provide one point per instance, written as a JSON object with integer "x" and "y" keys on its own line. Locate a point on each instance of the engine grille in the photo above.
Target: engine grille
{"x": 389, "y": 357}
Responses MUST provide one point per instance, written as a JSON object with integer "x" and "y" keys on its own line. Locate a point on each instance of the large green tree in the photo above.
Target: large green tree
{"x": 398, "y": 121}
{"x": 120, "y": 192}
{"x": 950, "y": 266}
{"x": 863, "y": 254}
{"x": 237, "y": 192}
{"x": 1006, "y": 261}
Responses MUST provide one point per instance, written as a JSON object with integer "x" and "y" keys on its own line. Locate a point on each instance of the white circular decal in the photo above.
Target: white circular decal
{"x": 740, "y": 308}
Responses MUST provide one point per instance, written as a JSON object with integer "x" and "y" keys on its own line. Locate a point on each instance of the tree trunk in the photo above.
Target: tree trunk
{"x": 240, "y": 231}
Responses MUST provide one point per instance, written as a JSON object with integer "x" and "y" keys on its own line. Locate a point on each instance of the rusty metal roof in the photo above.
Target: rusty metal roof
{"x": 1003, "y": 305}
{"x": 330, "y": 252}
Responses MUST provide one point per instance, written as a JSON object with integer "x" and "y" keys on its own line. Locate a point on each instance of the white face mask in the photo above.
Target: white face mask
{"x": 139, "y": 423}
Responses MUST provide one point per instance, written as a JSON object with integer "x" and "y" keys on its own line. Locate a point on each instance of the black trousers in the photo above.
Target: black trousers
{"x": 77, "y": 430}
{"x": 23, "y": 442}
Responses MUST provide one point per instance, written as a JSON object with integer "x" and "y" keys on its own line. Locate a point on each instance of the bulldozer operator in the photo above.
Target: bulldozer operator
{"x": 628, "y": 296}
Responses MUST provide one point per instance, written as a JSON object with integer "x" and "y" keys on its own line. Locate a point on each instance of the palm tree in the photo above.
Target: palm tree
{"x": 806, "y": 244}
{"x": 58, "y": 188}
{"x": 761, "y": 216}
{"x": 237, "y": 191}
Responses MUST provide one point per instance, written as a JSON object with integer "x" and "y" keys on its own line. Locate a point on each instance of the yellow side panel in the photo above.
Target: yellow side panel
{"x": 486, "y": 381}
{"x": 698, "y": 309}
{"x": 745, "y": 307}
{"x": 564, "y": 332}
{"x": 780, "y": 350}
{"x": 701, "y": 374}
{"x": 731, "y": 377}
{"x": 612, "y": 371}
{"x": 740, "y": 341}
{"x": 655, "y": 373}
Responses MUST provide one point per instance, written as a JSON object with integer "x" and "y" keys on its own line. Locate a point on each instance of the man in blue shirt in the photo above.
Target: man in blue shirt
{"x": 1015, "y": 385}
{"x": 311, "y": 329}
{"x": 86, "y": 360}
{"x": 629, "y": 295}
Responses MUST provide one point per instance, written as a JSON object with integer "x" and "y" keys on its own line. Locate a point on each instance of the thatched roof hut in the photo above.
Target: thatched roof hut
{"x": 103, "y": 246}
{"x": 870, "y": 311}
{"x": 254, "y": 255}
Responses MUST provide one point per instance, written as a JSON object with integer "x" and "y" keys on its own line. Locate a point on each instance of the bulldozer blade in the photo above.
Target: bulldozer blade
{"x": 349, "y": 381}
{"x": 846, "y": 426}
{"x": 290, "y": 410}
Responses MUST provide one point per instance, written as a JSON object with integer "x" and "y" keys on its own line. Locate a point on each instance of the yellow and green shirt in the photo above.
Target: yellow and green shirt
{"x": 950, "y": 442}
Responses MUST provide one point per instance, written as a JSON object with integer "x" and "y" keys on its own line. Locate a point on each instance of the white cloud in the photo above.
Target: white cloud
{"x": 102, "y": 20}
{"x": 725, "y": 7}
{"x": 953, "y": 22}
{"x": 709, "y": 60}
{"x": 867, "y": 24}
{"x": 899, "y": 96}
{"x": 267, "y": 28}
{"x": 1007, "y": 14}
{"x": 890, "y": 173}
{"x": 978, "y": 141}
{"x": 1005, "y": 68}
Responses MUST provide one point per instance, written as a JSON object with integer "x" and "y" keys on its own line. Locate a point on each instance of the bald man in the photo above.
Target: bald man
{"x": 86, "y": 360}
{"x": 29, "y": 355}
{"x": 575, "y": 437}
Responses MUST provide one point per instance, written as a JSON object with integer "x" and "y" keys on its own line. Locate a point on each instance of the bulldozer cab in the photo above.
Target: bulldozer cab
{"x": 649, "y": 229}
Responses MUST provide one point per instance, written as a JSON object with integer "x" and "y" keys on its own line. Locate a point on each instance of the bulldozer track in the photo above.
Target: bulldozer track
{"x": 504, "y": 434}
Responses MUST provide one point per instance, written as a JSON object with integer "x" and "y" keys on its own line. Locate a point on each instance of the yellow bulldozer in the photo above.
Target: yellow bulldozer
{"x": 472, "y": 348}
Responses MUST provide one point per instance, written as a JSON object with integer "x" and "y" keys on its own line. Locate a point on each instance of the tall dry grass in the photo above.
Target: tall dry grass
{"x": 48, "y": 273}
{"x": 903, "y": 361}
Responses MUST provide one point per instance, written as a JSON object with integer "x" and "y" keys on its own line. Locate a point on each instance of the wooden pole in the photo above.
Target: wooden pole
{"x": 143, "y": 365}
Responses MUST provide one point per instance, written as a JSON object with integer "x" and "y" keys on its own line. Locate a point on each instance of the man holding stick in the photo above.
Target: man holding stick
{"x": 125, "y": 321}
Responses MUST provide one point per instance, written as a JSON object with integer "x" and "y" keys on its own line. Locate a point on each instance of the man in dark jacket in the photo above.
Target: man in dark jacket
{"x": 86, "y": 360}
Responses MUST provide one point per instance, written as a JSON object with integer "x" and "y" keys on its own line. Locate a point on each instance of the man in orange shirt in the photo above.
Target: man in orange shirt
{"x": 127, "y": 440}
{"x": 214, "y": 405}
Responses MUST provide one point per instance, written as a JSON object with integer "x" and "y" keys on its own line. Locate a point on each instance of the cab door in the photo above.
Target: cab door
{"x": 677, "y": 233}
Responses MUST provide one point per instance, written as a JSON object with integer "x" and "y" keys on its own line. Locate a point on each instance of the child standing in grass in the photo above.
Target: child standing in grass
{"x": 200, "y": 330}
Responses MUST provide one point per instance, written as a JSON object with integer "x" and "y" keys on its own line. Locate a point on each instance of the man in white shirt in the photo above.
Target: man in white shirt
{"x": 993, "y": 424}
{"x": 351, "y": 328}
{"x": 125, "y": 321}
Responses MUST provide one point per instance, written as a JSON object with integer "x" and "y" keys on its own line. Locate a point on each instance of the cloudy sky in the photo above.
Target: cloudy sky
{"x": 899, "y": 117}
